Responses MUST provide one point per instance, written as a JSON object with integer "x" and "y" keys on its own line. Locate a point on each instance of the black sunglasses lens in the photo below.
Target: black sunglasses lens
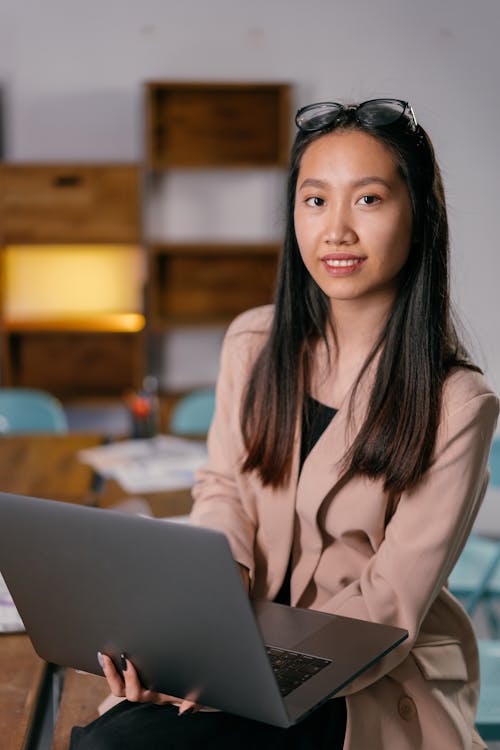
{"x": 373, "y": 113}
{"x": 380, "y": 112}
{"x": 317, "y": 116}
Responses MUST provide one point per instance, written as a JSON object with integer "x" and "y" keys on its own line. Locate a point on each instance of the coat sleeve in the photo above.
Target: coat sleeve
{"x": 426, "y": 533}
{"x": 218, "y": 500}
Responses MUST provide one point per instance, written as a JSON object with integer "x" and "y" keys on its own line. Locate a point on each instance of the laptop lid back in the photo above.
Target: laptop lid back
{"x": 86, "y": 580}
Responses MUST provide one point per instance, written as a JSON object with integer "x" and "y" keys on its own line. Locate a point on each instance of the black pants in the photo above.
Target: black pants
{"x": 142, "y": 726}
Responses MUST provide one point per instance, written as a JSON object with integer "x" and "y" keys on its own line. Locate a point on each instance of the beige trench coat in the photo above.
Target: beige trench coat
{"x": 423, "y": 695}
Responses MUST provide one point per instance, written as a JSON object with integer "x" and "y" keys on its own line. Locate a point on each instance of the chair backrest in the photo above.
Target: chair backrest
{"x": 193, "y": 413}
{"x": 476, "y": 568}
{"x": 494, "y": 463}
{"x": 488, "y": 714}
{"x": 27, "y": 410}
{"x": 475, "y": 579}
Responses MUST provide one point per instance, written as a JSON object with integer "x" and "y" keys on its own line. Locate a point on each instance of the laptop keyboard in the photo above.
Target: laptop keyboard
{"x": 293, "y": 669}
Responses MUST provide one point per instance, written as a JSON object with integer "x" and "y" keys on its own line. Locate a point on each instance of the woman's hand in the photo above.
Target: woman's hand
{"x": 127, "y": 685}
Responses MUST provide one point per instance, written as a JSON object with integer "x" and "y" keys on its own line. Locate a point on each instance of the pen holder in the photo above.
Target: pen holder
{"x": 144, "y": 409}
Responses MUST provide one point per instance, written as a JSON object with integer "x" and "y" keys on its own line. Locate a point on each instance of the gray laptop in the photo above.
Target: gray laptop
{"x": 170, "y": 596}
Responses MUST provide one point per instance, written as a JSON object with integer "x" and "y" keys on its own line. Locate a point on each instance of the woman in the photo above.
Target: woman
{"x": 348, "y": 452}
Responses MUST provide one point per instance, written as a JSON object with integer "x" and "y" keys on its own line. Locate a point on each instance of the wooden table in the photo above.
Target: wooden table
{"x": 81, "y": 696}
{"x": 48, "y": 466}
{"x": 22, "y": 675}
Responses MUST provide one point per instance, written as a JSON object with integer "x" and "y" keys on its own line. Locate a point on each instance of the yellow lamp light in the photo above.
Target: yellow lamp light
{"x": 56, "y": 282}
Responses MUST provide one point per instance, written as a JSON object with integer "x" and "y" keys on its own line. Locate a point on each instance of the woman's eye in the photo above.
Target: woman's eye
{"x": 368, "y": 200}
{"x": 315, "y": 201}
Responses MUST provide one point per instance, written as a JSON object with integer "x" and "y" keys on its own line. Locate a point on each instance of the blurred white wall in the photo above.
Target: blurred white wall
{"x": 72, "y": 72}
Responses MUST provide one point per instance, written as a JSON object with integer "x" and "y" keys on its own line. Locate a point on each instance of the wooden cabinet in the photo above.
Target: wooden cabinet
{"x": 219, "y": 126}
{"x": 83, "y": 345}
{"x": 70, "y": 359}
{"x": 69, "y": 234}
{"x": 214, "y": 125}
{"x": 212, "y": 283}
{"x": 70, "y": 203}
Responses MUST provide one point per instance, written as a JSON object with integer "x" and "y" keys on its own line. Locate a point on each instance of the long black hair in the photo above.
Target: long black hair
{"x": 416, "y": 348}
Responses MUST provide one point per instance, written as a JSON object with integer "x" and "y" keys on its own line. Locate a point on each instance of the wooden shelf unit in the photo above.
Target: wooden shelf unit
{"x": 195, "y": 284}
{"x": 223, "y": 126}
{"x": 65, "y": 205}
{"x": 70, "y": 203}
{"x": 189, "y": 125}
{"x": 216, "y": 124}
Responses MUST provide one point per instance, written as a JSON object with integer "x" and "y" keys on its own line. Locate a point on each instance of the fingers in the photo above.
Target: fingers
{"x": 115, "y": 682}
{"x": 188, "y": 707}
{"x": 135, "y": 692}
{"x": 128, "y": 685}
{"x": 133, "y": 689}
{"x": 189, "y": 704}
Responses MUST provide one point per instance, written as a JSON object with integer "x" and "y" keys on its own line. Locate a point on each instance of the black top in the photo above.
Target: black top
{"x": 315, "y": 419}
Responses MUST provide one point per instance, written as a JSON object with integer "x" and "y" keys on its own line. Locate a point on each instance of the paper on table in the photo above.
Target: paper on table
{"x": 10, "y": 621}
{"x": 148, "y": 465}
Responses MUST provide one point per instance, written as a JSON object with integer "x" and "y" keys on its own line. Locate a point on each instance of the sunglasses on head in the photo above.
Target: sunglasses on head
{"x": 376, "y": 113}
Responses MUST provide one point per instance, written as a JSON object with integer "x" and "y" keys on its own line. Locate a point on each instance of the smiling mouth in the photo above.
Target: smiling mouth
{"x": 342, "y": 263}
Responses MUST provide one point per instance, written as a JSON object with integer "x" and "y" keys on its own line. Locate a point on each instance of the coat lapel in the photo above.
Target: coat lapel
{"x": 277, "y": 521}
{"x": 319, "y": 480}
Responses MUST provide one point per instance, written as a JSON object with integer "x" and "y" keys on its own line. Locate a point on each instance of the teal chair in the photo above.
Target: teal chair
{"x": 475, "y": 580}
{"x": 488, "y": 714}
{"x": 192, "y": 414}
{"x": 494, "y": 463}
{"x": 28, "y": 410}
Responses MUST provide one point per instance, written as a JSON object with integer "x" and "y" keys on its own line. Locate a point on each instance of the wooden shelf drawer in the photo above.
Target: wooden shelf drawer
{"x": 220, "y": 125}
{"x": 204, "y": 285}
{"x": 69, "y": 203}
{"x": 72, "y": 363}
